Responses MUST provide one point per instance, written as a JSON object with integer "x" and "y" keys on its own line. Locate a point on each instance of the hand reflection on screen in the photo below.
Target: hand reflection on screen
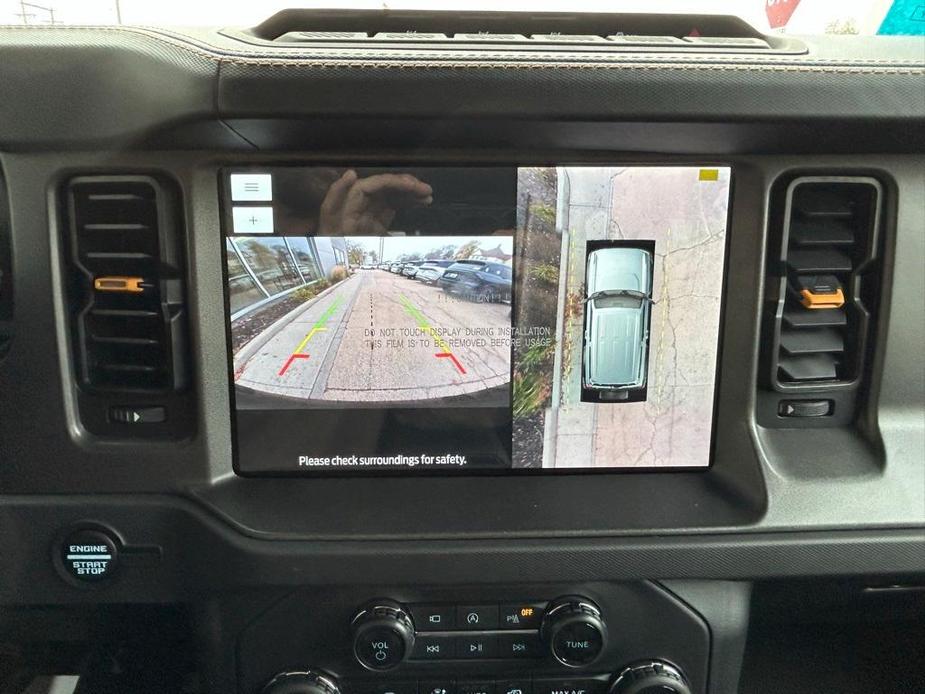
{"x": 354, "y": 205}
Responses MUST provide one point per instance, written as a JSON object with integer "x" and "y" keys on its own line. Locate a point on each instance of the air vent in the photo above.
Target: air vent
{"x": 549, "y": 32}
{"x": 824, "y": 286}
{"x": 127, "y": 290}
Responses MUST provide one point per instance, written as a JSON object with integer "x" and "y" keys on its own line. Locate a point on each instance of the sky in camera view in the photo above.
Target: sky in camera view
{"x": 393, "y": 247}
{"x": 809, "y": 17}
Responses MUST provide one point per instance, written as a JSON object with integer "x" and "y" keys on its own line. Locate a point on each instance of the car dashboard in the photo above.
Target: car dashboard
{"x": 247, "y": 445}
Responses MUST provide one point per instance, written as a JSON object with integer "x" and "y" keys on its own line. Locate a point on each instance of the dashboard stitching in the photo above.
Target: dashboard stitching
{"x": 385, "y": 65}
{"x": 846, "y": 66}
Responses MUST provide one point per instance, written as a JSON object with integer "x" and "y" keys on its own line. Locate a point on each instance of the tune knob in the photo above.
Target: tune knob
{"x": 651, "y": 677}
{"x": 309, "y": 682}
{"x": 574, "y": 631}
{"x": 383, "y": 635}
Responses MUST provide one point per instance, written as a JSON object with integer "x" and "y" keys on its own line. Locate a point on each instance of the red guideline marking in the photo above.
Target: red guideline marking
{"x": 289, "y": 361}
{"x": 454, "y": 360}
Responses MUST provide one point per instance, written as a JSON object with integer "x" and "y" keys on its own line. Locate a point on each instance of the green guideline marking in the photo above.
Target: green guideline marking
{"x": 415, "y": 313}
{"x": 331, "y": 309}
{"x": 317, "y": 327}
{"x": 424, "y": 325}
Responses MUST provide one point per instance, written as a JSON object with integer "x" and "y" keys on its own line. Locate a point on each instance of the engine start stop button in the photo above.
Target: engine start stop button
{"x": 89, "y": 555}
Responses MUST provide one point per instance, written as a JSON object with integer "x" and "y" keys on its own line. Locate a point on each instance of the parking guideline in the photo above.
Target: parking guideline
{"x": 316, "y": 328}
{"x": 421, "y": 320}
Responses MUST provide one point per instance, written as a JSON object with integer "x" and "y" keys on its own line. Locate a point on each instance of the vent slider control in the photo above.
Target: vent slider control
{"x": 133, "y": 285}
{"x": 820, "y": 291}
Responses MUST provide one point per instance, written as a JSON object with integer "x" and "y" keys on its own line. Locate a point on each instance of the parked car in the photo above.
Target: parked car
{"x": 383, "y": 266}
{"x": 366, "y": 267}
{"x": 479, "y": 280}
{"x": 395, "y": 267}
{"x": 410, "y": 269}
{"x": 432, "y": 270}
{"x": 617, "y": 313}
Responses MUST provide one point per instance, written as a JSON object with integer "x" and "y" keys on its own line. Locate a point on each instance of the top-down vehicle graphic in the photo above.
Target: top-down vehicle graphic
{"x": 617, "y": 313}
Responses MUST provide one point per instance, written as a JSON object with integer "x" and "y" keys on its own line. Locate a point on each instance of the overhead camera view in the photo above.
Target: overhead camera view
{"x": 622, "y": 267}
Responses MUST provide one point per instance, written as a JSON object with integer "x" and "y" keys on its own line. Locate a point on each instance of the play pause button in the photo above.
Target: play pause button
{"x": 476, "y": 647}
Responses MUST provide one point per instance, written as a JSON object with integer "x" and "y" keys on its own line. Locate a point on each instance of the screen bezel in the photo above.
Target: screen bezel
{"x": 224, "y": 197}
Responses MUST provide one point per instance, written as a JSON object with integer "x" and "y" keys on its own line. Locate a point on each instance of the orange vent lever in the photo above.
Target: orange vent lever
{"x": 812, "y": 300}
{"x": 131, "y": 285}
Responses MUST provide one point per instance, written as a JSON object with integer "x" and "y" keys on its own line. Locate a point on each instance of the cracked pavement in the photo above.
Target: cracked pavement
{"x": 687, "y": 217}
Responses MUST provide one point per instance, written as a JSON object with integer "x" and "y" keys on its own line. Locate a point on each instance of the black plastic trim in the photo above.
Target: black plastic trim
{"x": 6, "y": 272}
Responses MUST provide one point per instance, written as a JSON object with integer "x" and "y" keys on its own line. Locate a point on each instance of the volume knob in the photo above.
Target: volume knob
{"x": 383, "y": 635}
{"x": 574, "y": 631}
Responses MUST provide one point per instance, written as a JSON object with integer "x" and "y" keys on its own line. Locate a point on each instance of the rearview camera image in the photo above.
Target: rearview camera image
{"x": 400, "y": 321}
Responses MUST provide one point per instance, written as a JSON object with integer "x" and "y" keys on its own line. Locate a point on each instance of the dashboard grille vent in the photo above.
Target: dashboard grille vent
{"x": 826, "y": 285}
{"x": 127, "y": 285}
{"x": 507, "y": 31}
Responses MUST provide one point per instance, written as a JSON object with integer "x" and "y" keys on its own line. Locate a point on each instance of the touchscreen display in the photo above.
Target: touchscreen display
{"x": 466, "y": 319}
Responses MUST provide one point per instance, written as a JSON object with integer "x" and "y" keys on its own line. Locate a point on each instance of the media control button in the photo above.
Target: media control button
{"x": 521, "y": 686}
{"x": 574, "y": 631}
{"x": 437, "y": 687}
{"x": 477, "y": 617}
{"x": 522, "y": 615}
{"x": 476, "y": 688}
{"x": 520, "y": 646}
{"x": 380, "y": 648}
{"x": 383, "y": 635}
{"x": 569, "y": 686}
{"x": 578, "y": 643}
{"x": 433, "y": 617}
{"x": 476, "y": 647}
{"x": 89, "y": 556}
{"x": 433, "y": 648}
